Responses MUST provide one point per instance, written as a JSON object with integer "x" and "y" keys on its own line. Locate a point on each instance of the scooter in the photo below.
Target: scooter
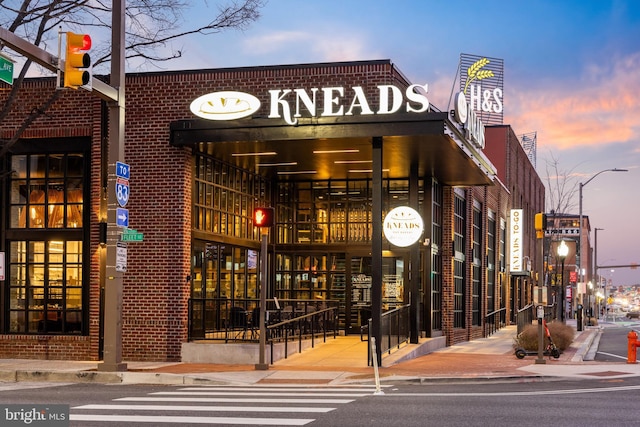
{"x": 550, "y": 349}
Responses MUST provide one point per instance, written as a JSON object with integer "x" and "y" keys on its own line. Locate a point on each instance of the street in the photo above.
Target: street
{"x": 478, "y": 403}
{"x": 612, "y": 346}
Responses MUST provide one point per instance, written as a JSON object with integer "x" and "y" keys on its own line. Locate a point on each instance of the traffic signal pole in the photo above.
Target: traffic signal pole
{"x": 112, "y": 356}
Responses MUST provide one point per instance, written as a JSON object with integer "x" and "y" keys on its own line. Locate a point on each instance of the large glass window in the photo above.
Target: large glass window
{"x": 45, "y": 242}
{"x": 45, "y": 287}
{"x": 225, "y": 197}
{"x": 476, "y": 279}
{"x": 336, "y": 211}
{"x": 436, "y": 258}
{"x": 47, "y": 191}
{"x": 491, "y": 263}
{"x": 460, "y": 226}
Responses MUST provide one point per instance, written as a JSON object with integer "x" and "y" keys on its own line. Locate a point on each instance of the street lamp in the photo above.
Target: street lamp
{"x": 563, "y": 251}
{"x": 595, "y": 263}
{"x": 579, "y": 258}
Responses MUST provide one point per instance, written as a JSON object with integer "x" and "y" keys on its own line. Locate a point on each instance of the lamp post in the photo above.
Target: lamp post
{"x": 580, "y": 186}
{"x": 595, "y": 263}
{"x": 563, "y": 251}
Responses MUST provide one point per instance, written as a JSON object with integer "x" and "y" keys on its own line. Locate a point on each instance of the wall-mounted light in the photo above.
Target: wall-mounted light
{"x": 103, "y": 233}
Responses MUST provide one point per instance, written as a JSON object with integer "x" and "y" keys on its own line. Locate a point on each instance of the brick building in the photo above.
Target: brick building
{"x": 309, "y": 144}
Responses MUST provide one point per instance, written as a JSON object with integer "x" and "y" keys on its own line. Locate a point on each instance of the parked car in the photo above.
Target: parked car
{"x": 633, "y": 315}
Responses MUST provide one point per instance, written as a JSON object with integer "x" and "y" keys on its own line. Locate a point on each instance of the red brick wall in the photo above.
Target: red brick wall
{"x": 155, "y": 287}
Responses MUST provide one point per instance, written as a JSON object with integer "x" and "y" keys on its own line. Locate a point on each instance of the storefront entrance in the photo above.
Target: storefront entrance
{"x": 342, "y": 279}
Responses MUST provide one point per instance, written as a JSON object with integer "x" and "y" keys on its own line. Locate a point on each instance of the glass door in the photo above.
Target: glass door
{"x": 358, "y": 307}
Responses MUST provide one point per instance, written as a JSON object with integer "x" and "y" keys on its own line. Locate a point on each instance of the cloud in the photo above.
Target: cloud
{"x": 314, "y": 47}
{"x": 599, "y": 107}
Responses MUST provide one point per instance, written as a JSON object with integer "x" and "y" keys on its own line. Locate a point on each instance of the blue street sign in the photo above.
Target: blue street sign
{"x": 122, "y": 170}
{"x": 122, "y": 191}
{"x": 122, "y": 217}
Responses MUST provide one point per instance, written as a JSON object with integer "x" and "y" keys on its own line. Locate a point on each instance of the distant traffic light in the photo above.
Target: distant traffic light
{"x": 77, "y": 60}
{"x": 540, "y": 222}
{"x": 540, "y": 225}
{"x": 263, "y": 217}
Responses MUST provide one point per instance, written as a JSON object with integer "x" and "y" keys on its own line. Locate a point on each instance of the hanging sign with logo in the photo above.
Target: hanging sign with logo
{"x": 403, "y": 226}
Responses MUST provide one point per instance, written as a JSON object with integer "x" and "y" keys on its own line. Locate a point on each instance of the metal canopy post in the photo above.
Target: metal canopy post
{"x": 414, "y": 262}
{"x": 376, "y": 247}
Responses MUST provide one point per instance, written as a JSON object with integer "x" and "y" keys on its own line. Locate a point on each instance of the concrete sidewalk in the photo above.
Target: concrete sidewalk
{"x": 344, "y": 361}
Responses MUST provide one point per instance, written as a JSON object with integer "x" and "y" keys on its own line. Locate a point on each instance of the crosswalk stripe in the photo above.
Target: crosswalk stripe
{"x": 283, "y": 389}
{"x": 201, "y": 404}
{"x": 230, "y": 400}
{"x": 245, "y": 393}
{"x": 197, "y": 408}
{"x": 192, "y": 420}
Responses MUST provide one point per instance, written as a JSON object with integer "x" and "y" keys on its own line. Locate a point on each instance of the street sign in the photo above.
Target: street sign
{"x": 6, "y": 69}
{"x": 122, "y": 170}
{"x": 122, "y": 217}
{"x": 121, "y": 257}
{"x": 122, "y": 191}
{"x": 131, "y": 235}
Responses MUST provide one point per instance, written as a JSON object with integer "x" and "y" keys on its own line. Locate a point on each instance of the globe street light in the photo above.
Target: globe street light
{"x": 579, "y": 258}
{"x": 563, "y": 251}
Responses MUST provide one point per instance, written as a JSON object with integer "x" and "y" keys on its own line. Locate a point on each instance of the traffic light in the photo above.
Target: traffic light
{"x": 263, "y": 217}
{"x": 77, "y": 61}
{"x": 541, "y": 222}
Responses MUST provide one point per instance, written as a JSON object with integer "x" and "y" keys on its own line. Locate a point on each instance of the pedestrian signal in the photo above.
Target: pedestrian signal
{"x": 263, "y": 217}
{"x": 77, "y": 60}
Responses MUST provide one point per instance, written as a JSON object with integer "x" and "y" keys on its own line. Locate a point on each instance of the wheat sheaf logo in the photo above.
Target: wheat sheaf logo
{"x": 475, "y": 72}
{"x": 227, "y": 105}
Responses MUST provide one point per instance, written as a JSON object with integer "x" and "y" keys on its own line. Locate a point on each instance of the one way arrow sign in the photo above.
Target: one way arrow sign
{"x": 122, "y": 217}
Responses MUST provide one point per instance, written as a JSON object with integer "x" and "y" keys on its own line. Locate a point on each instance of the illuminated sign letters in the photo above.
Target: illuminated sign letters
{"x": 331, "y": 99}
{"x": 289, "y": 104}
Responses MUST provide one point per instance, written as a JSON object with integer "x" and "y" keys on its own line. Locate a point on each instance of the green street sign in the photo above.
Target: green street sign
{"x": 6, "y": 70}
{"x": 131, "y": 235}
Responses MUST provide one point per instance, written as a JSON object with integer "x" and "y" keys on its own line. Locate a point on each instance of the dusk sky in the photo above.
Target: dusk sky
{"x": 572, "y": 74}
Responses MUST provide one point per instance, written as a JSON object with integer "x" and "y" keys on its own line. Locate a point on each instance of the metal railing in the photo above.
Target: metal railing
{"x": 320, "y": 323}
{"x": 494, "y": 321}
{"x": 226, "y": 319}
{"x": 525, "y": 316}
{"x": 394, "y": 330}
{"x": 220, "y": 319}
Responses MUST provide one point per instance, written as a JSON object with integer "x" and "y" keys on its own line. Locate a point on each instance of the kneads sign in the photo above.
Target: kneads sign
{"x": 403, "y": 226}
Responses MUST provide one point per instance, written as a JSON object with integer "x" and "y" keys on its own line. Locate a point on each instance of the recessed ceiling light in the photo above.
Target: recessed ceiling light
{"x": 266, "y": 165}
{"x": 295, "y": 172}
{"x": 261, "y": 153}
{"x": 352, "y": 161}
{"x": 335, "y": 151}
{"x": 365, "y": 170}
